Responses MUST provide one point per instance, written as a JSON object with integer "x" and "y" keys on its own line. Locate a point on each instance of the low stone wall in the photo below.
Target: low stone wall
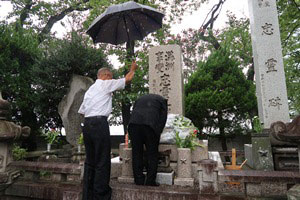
{"x": 48, "y": 171}
{"x": 63, "y": 182}
{"x": 263, "y": 184}
{"x": 23, "y": 190}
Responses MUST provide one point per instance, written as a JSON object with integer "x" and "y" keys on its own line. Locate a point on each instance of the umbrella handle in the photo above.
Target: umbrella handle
{"x": 130, "y": 50}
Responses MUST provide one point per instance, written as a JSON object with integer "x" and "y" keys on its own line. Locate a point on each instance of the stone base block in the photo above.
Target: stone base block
{"x": 116, "y": 169}
{"x": 195, "y": 173}
{"x": 124, "y": 179}
{"x": 184, "y": 182}
{"x": 248, "y": 155}
{"x": 67, "y": 195}
{"x": 231, "y": 188}
{"x": 165, "y": 178}
{"x": 253, "y": 189}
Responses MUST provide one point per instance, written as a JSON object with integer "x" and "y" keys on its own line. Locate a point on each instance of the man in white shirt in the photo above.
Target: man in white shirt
{"x": 96, "y": 107}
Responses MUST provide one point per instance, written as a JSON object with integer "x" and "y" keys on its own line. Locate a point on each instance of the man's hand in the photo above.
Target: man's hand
{"x": 130, "y": 74}
{"x": 134, "y": 66}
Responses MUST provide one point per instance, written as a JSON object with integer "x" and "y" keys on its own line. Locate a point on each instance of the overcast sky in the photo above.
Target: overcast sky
{"x": 238, "y": 7}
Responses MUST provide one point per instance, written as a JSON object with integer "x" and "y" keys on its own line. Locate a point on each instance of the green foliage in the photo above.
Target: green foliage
{"x": 190, "y": 141}
{"x": 51, "y": 136}
{"x": 257, "y": 127}
{"x": 218, "y": 98}
{"x": 19, "y": 53}
{"x": 18, "y": 153}
{"x": 80, "y": 139}
{"x": 45, "y": 174}
{"x": 62, "y": 59}
{"x": 236, "y": 38}
{"x": 289, "y": 22}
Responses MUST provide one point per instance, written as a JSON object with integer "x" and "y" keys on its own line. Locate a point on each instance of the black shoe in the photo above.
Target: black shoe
{"x": 139, "y": 181}
{"x": 152, "y": 184}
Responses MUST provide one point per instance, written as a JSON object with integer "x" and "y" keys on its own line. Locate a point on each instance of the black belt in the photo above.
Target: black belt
{"x": 96, "y": 117}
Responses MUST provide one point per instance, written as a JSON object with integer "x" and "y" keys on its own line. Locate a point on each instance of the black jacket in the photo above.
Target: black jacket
{"x": 151, "y": 110}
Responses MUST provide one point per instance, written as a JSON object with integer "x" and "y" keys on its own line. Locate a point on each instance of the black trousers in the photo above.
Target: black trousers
{"x": 97, "y": 164}
{"x": 140, "y": 135}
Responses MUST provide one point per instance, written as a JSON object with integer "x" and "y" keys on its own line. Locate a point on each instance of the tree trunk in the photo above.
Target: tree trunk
{"x": 30, "y": 143}
{"x": 222, "y": 135}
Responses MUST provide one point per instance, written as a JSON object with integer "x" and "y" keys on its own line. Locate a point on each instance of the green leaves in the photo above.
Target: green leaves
{"x": 215, "y": 95}
{"x": 257, "y": 127}
{"x": 18, "y": 153}
{"x": 51, "y": 136}
{"x": 289, "y": 23}
{"x": 190, "y": 141}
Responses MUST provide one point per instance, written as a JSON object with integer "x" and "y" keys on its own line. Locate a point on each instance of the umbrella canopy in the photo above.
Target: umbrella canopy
{"x": 125, "y": 22}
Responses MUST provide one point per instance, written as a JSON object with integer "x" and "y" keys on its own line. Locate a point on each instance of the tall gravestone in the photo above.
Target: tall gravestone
{"x": 69, "y": 106}
{"x": 268, "y": 63}
{"x": 165, "y": 76}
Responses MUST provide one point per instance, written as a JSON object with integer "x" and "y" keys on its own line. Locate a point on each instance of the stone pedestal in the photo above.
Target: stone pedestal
{"x": 184, "y": 168}
{"x": 259, "y": 153}
{"x": 208, "y": 177}
{"x": 5, "y": 155}
{"x": 165, "y": 178}
{"x": 127, "y": 172}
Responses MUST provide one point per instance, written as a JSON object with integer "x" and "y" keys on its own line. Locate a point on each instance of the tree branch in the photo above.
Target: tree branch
{"x": 55, "y": 18}
{"x": 297, "y": 6}
{"x": 211, "y": 38}
{"x": 24, "y": 14}
{"x": 289, "y": 35}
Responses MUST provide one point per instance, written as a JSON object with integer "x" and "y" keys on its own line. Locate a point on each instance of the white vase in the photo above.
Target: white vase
{"x": 48, "y": 147}
{"x": 79, "y": 148}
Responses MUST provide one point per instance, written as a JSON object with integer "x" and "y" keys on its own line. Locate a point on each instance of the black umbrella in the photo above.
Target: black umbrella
{"x": 124, "y": 23}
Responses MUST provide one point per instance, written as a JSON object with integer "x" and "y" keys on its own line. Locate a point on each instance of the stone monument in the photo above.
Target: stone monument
{"x": 270, "y": 80}
{"x": 9, "y": 132}
{"x": 268, "y": 63}
{"x": 69, "y": 106}
{"x": 165, "y": 76}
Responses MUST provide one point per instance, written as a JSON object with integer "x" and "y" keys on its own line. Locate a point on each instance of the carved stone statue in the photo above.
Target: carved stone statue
{"x": 10, "y": 130}
{"x": 289, "y": 132}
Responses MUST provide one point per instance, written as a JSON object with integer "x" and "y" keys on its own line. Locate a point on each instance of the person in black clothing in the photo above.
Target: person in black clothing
{"x": 146, "y": 123}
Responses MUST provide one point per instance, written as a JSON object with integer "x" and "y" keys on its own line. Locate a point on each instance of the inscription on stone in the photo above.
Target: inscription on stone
{"x": 165, "y": 75}
{"x": 268, "y": 64}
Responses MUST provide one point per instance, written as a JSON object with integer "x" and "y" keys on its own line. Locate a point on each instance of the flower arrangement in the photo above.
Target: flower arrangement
{"x": 190, "y": 141}
{"x": 51, "y": 136}
{"x": 257, "y": 125}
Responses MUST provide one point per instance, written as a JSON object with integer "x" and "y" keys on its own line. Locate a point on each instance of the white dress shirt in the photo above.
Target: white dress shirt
{"x": 98, "y": 98}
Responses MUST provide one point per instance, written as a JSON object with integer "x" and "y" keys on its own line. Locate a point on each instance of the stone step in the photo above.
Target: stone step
{"x": 22, "y": 190}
